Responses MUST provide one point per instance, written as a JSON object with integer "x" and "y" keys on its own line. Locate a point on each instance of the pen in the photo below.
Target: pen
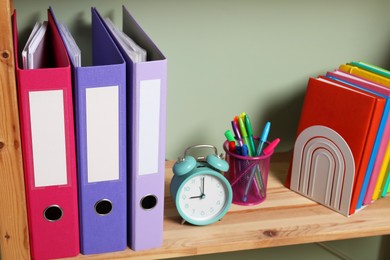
{"x": 248, "y": 126}
{"x": 237, "y": 133}
{"x": 244, "y": 134}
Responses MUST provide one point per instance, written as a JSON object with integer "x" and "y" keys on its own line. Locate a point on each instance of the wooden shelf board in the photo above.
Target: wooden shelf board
{"x": 284, "y": 218}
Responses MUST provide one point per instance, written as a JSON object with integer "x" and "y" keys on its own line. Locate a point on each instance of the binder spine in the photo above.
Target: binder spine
{"x": 48, "y": 144}
{"x": 101, "y": 129}
{"x": 148, "y": 166}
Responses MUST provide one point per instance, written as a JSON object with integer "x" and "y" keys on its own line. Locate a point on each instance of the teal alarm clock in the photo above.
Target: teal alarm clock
{"x": 200, "y": 191}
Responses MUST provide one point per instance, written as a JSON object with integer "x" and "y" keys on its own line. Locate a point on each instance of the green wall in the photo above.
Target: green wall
{"x": 253, "y": 56}
{"x": 226, "y": 57}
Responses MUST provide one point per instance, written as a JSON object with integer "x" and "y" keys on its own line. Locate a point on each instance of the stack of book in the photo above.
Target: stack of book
{"x": 342, "y": 150}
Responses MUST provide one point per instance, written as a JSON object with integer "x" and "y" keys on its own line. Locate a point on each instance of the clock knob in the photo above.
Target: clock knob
{"x": 184, "y": 165}
{"x": 217, "y": 163}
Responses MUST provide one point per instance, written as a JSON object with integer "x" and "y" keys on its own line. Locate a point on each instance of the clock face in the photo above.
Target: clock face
{"x": 203, "y": 199}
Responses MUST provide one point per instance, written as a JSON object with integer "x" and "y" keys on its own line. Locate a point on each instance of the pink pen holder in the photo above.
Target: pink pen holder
{"x": 248, "y": 177}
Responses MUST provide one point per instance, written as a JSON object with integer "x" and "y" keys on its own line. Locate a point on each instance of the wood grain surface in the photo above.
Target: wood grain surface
{"x": 14, "y": 243}
{"x": 284, "y": 218}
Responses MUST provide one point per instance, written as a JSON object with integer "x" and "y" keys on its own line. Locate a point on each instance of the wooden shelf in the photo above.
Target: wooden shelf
{"x": 14, "y": 243}
{"x": 285, "y": 218}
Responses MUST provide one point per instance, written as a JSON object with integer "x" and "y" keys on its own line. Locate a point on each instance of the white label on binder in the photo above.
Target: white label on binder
{"x": 48, "y": 137}
{"x": 102, "y": 109}
{"x": 149, "y": 126}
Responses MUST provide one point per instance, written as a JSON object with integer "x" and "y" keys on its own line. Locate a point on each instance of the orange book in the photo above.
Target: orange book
{"x": 355, "y": 116}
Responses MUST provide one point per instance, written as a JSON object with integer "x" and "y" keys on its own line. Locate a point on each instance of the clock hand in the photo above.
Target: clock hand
{"x": 203, "y": 186}
{"x": 195, "y": 197}
{"x": 202, "y": 195}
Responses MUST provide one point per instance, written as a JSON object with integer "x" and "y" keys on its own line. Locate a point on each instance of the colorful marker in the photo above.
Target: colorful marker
{"x": 237, "y": 133}
{"x": 244, "y": 150}
{"x": 239, "y": 150}
{"x": 236, "y": 120}
{"x": 243, "y": 131}
{"x": 232, "y": 146}
{"x": 232, "y": 163}
{"x": 229, "y": 136}
{"x": 271, "y": 146}
{"x": 248, "y": 126}
{"x": 263, "y": 140}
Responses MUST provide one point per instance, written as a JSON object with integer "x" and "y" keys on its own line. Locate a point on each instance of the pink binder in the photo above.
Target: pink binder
{"x": 48, "y": 144}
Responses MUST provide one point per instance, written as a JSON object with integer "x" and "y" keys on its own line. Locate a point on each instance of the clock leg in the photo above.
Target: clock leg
{"x": 182, "y": 222}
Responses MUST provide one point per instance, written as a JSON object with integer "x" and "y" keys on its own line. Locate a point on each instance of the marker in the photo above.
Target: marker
{"x": 263, "y": 138}
{"x": 246, "y": 165}
{"x": 242, "y": 115}
{"x": 238, "y": 166}
{"x": 237, "y": 133}
{"x": 239, "y": 150}
{"x": 248, "y": 126}
{"x": 271, "y": 146}
{"x": 232, "y": 162}
{"x": 229, "y": 136}
{"x": 244, "y": 150}
{"x": 244, "y": 134}
{"x": 236, "y": 120}
{"x": 249, "y": 183}
{"x": 232, "y": 146}
{"x": 250, "y": 180}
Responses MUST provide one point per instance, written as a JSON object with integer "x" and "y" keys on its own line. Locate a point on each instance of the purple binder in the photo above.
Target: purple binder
{"x": 100, "y": 94}
{"x": 146, "y": 139}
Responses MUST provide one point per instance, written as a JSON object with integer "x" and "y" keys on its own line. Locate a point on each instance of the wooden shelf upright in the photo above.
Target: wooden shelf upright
{"x": 14, "y": 243}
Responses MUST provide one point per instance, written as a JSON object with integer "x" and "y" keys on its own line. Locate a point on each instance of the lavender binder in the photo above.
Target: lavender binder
{"x": 100, "y": 94}
{"x": 146, "y": 117}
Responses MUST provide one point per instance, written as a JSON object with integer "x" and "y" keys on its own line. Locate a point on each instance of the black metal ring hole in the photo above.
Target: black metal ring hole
{"x": 53, "y": 213}
{"x": 103, "y": 207}
{"x": 149, "y": 202}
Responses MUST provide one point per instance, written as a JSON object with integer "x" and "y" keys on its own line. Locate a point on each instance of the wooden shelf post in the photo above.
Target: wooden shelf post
{"x": 14, "y": 242}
